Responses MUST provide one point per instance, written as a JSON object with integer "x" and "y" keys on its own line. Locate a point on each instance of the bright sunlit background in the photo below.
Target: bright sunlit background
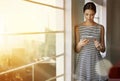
{"x": 22, "y": 16}
{"x": 31, "y": 31}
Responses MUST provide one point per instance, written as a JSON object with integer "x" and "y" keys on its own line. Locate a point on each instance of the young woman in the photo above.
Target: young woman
{"x": 89, "y": 43}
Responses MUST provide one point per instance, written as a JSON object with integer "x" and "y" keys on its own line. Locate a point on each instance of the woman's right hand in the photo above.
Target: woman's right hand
{"x": 83, "y": 42}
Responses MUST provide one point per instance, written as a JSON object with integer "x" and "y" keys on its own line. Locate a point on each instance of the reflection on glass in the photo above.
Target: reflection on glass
{"x": 31, "y": 40}
{"x": 29, "y": 17}
{"x": 58, "y": 3}
{"x": 31, "y": 55}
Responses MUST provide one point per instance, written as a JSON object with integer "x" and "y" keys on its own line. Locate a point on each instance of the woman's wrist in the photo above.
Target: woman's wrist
{"x": 80, "y": 44}
{"x": 78, "y": 47}
{"x": 99, "y": 47}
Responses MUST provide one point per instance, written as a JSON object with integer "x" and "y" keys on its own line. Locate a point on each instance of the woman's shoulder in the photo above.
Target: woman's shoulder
{"x": 100, "y": 25}
{"x": 78, "y": 25}
{"x": 84, "y": 24}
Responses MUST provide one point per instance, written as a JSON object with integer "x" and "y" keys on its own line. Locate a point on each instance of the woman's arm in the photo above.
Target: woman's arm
{"x": 100, "y": 45}
{"x": 79, "y": 43}
{"x": 102, "y": 42}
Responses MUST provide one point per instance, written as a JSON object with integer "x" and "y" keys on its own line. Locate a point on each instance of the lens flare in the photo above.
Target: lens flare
{"x": 102, "y": 67}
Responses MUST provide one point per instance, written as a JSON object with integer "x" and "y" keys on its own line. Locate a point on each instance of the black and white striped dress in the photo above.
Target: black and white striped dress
{"x": 88, "y": 64}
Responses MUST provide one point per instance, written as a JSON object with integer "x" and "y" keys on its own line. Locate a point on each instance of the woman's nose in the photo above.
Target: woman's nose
{"x": 89, "y": 17}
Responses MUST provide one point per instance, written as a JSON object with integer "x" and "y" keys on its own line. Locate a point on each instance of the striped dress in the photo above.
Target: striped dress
{"x": 89, "y": 65}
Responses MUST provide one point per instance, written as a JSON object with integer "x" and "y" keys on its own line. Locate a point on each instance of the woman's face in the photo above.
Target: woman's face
{"x": 89, "y": 15}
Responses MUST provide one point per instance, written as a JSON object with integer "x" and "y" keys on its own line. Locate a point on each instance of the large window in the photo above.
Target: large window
{"x": 32, "y": 40}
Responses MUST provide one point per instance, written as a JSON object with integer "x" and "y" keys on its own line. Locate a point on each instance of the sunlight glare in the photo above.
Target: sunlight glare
{"x": 102, "y": 67}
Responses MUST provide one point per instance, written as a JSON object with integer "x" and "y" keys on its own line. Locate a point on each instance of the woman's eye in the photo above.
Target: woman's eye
{"x": 86, "y": 14}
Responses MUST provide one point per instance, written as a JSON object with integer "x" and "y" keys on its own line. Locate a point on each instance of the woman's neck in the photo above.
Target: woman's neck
{"x": 90, "y": 23}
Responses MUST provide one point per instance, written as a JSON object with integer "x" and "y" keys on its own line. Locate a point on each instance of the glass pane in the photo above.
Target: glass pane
{"x": 21, "y": 16}
{"x": 98, "y": 14}
{"x": 59, "y": 3}
{"x": 36, "y": 52}
{"x": 24, "y": 74}
{"x": 60, "y": 65}
{"x": 60, "y": 78}
{"x": 96, "y": 19}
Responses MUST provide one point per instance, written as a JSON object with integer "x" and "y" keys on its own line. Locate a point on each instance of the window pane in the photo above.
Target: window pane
{"x": 36, "y": 52}
{"x": 26, "y": 51}
{"x": 24, "y": 74}
{"x": 58, "y": 3}
{"x": 60, "y": 79}
{"x": 22, "y": 16}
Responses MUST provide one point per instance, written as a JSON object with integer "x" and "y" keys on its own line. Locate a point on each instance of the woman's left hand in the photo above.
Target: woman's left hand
{"x": 97, "y": 44}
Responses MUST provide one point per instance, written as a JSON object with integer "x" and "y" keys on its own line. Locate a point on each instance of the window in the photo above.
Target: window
{"x": 32, "y": 40}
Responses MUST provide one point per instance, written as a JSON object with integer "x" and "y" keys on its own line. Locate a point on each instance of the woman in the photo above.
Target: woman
{"x": 89, "y": 43}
